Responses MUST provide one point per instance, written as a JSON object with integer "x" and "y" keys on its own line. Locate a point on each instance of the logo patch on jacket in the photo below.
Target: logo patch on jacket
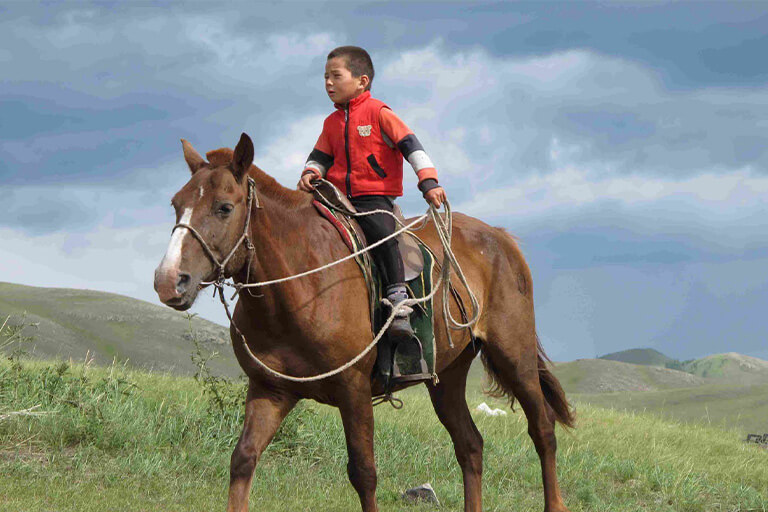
{"x": 364, "y": 131}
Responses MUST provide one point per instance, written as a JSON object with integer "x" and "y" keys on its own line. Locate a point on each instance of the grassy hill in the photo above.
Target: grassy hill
{"x": 607, "y": 376}
{"x": 730, "y": 368}
{"x": 72, "y": 323}
{"x": 644, "y": 356}
{"x": 725, "y": 389}
{"x": 122, "y": 440}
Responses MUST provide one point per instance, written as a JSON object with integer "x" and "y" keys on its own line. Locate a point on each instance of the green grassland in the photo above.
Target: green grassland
{"x": 118, "y": 438}
{"x": 742, "y": 408}
{"x": 71, "y": 323}
{"x": 669, "y": 394}
{"x": 122, "y": 440}
{"x": 726, "y": 389}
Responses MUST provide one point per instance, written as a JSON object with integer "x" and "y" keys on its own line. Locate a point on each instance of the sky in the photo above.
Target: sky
{"x": 624, "y": 144}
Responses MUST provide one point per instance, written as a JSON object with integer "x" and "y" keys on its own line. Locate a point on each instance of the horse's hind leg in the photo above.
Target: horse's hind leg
{"x": 449, "y": 401}
{"x": 514, "y": 366}
{"x": 264, "y": 412}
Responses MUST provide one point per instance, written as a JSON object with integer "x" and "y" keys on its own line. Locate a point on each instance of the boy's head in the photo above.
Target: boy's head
{"x": 348, "y": 73}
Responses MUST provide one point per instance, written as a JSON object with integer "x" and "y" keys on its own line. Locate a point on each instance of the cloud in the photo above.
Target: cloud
{"x": 93, "y": 100}
{"x": 714, "y": 195}
{"x": 639, "y": 202}
{"x": 615, "y": 112}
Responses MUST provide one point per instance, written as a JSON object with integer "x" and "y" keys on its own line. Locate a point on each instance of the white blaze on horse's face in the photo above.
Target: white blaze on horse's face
{"x": 172, "y": 257}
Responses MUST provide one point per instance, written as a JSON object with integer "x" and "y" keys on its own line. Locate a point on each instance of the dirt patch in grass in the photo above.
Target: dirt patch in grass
{"x": 29, "y": 453}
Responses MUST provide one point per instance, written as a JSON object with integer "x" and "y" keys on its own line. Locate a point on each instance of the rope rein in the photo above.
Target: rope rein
{"x": 444, "y": 229}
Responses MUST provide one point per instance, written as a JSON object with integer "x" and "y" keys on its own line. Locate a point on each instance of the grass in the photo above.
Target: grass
{"x": 743, "y": 408}
{"x": 119, "y": 439}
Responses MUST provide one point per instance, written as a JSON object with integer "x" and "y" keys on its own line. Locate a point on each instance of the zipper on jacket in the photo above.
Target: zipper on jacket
{"x": 346, "y": 149}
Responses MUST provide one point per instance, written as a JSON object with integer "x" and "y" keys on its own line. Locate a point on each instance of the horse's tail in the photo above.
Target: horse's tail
{"x": 553, "y": 391}
{"x": 550, "y": 386}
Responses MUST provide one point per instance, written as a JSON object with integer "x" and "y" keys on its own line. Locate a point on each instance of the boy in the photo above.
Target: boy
{"x": 361, "y": 150}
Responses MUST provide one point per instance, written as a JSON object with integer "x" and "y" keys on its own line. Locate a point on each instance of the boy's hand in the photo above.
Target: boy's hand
{"x": 436, "y": 196}
{"x": 305, "y": 183}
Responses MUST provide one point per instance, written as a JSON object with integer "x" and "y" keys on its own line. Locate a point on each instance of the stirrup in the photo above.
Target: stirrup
{"x": 398, "y": 377}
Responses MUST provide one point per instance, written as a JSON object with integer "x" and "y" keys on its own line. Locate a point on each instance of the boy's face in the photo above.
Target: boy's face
{"x": 340, "y": 85}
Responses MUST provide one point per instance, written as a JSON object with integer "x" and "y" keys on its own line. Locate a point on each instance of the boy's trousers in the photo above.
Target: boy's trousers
{"x": 376, "y": 227}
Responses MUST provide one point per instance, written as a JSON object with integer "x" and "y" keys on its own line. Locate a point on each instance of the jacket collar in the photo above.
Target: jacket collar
{"x": 354, "y": 102}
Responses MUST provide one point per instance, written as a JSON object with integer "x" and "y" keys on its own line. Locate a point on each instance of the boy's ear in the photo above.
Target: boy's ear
{"x": 365, "y": 81}
{"x": 242, "y": 158}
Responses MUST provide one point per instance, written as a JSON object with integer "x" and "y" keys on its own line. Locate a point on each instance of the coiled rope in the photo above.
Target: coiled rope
{"x": 444, "y": 228}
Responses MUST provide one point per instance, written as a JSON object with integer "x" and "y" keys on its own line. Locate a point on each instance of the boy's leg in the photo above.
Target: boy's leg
{"x": 380, "y": 226}
{"x": 387, "y": 256}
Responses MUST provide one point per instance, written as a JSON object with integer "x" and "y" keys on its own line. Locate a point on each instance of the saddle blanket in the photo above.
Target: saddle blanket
{"x": 418, "y": 287}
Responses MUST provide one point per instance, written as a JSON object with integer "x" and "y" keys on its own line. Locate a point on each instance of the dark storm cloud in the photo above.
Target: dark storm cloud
{"x": 689, "y": 44}
{"x": 623, "y": 142}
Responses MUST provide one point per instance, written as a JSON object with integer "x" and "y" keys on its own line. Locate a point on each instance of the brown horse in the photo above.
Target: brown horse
{"x": 317, "y": 323}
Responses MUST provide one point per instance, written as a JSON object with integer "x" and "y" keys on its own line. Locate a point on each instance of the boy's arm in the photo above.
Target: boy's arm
{"x": 397, "y": 131}
{"x": 320, "y": 159}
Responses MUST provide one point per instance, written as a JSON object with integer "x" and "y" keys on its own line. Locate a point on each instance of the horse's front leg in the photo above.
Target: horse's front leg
{"x": 357, "y": 417}
{"x": 264, "y": 411}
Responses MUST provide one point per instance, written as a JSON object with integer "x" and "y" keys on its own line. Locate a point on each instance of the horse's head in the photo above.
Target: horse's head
{"x": 213, "y": 203}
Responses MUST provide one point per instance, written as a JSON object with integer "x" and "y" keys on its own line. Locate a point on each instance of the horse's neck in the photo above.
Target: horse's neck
{"x": 280, "y": 235}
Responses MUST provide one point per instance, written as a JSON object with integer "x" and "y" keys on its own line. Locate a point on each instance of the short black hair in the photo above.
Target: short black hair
{"x": 358, "y": 61}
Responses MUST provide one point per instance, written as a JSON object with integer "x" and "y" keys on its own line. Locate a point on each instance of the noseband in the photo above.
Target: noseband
{"x": 244, "y": 238}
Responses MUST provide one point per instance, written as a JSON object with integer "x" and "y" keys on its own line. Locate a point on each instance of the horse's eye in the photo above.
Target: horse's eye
{"x": 225, "y": 209}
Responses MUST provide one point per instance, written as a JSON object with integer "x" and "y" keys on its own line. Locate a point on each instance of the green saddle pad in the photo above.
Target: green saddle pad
{"x": 421, "y": 318}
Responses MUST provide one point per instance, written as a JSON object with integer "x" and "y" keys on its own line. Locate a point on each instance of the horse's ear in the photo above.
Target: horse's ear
{"x": 243, "y": 157}
{"x": 193, "y": 158}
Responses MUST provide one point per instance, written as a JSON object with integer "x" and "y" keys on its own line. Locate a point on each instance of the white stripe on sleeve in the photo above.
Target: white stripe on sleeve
{"x": 419, "y": 160}
{"x": 311, "y": 164}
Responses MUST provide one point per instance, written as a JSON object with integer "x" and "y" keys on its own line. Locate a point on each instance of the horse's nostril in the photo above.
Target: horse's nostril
{"x": 183, "y": 281}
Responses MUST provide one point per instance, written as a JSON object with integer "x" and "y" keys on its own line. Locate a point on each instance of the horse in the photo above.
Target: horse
{"x": 319, "y": 322}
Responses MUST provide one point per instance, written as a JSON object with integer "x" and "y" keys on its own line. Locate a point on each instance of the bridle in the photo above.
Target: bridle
{"x": 244, "y": 239}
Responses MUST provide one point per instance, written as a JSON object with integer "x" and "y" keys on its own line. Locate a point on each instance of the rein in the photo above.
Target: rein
{"x": 444, "y": 228}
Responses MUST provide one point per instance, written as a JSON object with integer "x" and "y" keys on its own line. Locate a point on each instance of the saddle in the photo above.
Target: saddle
{"x": 410, "y": 251}
{"x": 405, "y": 361}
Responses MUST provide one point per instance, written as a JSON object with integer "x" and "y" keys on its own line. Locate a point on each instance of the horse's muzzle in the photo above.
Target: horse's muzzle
{"x": 175, "y": 289}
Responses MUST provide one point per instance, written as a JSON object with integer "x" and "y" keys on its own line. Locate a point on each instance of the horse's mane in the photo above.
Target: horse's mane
{"x": 265, "y": 184}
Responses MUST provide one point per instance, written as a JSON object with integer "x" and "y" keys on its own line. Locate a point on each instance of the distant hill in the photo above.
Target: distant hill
{"x": 732, "y": 368}
{"x": 73, "y": 322}
{"x": 605, "y": 376}
{"x": 644, "y": 356}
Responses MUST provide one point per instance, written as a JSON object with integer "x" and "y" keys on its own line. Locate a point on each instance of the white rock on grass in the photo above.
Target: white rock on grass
{"x": 421, "y": 493}
{"x": 483, "y": 407}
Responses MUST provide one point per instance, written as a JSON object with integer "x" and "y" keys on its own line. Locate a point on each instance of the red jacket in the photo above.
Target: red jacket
{"x": 361, "y": 150}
